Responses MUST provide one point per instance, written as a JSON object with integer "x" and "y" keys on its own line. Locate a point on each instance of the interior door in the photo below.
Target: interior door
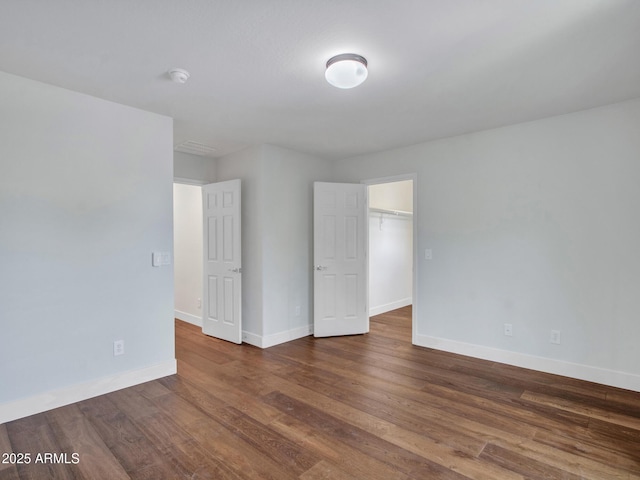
{"x": 340, "y": 259}
{"x": 222, "y": 282}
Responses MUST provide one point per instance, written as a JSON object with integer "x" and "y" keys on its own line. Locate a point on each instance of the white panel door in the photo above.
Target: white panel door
{"x": 222, "y": 283}
{"x": 340, "y": 259}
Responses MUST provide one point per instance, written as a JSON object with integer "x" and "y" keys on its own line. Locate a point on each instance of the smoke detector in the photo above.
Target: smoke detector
{"x": 178, "y": 75}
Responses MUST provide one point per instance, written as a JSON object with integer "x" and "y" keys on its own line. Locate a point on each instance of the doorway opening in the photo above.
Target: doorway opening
{"x": 187, "y": 248}
{"x": 207, "y": 254}
{"x": 392, "y": 251}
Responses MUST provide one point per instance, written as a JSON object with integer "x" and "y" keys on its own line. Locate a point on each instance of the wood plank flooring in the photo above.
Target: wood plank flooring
{"x": 367, "y": 407}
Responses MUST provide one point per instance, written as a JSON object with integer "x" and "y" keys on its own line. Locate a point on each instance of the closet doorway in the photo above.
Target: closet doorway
{"x": 391, "y": 245}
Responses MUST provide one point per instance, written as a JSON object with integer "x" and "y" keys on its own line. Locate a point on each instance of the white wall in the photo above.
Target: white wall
{"x": 535, "y": 225}
{"x": 187, "y": 248}
{"x": 194, "y": 168}
{"x": 390, "y": 246}
{"x": 288, "y": 240}
{"x": 397, "y": 196}
{"x": 276, "y": 239}
{"x": 247, "y": 165}
{"x": 85, "y": 197}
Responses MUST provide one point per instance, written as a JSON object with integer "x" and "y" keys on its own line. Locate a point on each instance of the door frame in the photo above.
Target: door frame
{"x": 414, "y": 287}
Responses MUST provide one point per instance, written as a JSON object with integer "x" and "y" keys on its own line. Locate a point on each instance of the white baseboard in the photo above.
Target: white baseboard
{"x": 276, "y": 338}
{"x": 252, "y": 339}
{"x": 390, "y": 306}
{"x": 75, "y": 393}
{"x": 188, "y": 317}
{"x": 613, "y": 378}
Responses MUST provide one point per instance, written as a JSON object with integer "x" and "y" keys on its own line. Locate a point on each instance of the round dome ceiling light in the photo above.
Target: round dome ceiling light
{"x": 179, "y": 75}
{"x": 347, "y": 70}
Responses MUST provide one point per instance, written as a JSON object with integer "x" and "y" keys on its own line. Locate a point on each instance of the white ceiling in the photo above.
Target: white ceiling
{"x": 437, "y": 68}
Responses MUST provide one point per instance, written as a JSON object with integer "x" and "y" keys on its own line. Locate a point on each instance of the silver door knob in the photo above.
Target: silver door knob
{"x": 236, "y": 270}
{"x": 320, "y": 268}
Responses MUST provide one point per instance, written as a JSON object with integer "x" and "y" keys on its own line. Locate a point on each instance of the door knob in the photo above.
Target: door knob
{"x": 320, "y": 267}
{"x": 236, "y": 270}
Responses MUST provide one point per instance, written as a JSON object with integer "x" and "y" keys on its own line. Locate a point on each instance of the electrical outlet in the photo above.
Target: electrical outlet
{"x": 199, "y": 302}
{"x": 555, "y": 337}
{"x": 508, "y": 329}
{"x": 118, "y": 347}
{"x": 158, "y": 259}
{"x": 297, "y": 310}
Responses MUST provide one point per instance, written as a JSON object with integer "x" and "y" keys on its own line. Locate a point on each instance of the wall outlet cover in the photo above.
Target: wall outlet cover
{"x": 118, "y": 347}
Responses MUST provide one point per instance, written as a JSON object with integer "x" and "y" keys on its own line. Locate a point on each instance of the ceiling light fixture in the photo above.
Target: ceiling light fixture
{"x": 179, "y": 75}
{"x": 347, "y": 70}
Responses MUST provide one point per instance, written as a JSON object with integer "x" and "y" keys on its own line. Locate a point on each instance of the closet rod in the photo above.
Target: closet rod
{"x": 393, "y": 213}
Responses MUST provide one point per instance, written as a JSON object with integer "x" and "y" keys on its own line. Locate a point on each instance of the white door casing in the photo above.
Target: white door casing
{"x": 222, "y": 282}
{"x": 340, "y": 259}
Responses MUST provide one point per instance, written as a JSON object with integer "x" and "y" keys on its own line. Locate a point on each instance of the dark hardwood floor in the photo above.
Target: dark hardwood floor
{"x": 368, "y": 407}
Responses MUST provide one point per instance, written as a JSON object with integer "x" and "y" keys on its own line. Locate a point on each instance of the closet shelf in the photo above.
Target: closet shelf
{"x": 392, "y": 213}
